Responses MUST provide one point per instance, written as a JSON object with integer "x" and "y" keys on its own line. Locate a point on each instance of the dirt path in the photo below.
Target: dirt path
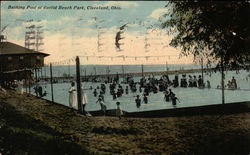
{"x": 208, "y": 134}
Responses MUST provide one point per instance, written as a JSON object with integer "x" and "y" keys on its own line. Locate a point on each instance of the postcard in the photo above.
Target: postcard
{"x": 124, "y": 77}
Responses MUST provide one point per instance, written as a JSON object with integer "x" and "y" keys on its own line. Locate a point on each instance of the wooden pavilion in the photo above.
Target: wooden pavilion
{"x": 17, "y": 62}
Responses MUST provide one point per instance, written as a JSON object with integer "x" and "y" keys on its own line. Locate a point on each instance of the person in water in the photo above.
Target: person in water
{"x": 167, "y": 96}
{"x": 138, "y": 101}
{"x": 102, "y": 105}
{"x": 95, "y": 93}
{"x": 145, "y": 99}
{"x": 234, "y": 83}
{"x": 208, "y": 84}
{"x": 174, "y": 98}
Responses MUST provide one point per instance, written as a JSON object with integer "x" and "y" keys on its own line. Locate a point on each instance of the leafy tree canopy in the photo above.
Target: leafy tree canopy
{"x": 211, "y": 29}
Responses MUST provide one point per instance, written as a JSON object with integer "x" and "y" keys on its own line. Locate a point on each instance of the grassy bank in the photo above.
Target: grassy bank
{"x": 33, "y": 126}
{"x": 23, "y": 134}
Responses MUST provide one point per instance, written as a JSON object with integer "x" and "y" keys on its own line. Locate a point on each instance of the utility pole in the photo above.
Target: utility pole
{"x": 78, "y": 83}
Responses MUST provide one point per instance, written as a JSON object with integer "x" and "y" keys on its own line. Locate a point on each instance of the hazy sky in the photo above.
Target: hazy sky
{"x": 71, "y": 29}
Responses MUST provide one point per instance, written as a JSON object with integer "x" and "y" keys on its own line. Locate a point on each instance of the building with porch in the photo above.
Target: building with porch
{"x": 17, "y": 62}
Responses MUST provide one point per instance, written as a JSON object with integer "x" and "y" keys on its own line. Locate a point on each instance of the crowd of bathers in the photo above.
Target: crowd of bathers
{"x": 145, "y": 86}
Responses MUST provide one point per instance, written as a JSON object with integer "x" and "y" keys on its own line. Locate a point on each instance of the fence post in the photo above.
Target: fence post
{"x": 78, "y": 82}
{"x": 51, "y": 83}
{"x": 222, "y": 80}
{"x": 36, "y": 91}
{"x": 41, "y": 71}
{"x": 25, "y": 82}
{"x": 202, "y": 71}
{"x": 44, "y": 72}
{"x": 29, "y": 80}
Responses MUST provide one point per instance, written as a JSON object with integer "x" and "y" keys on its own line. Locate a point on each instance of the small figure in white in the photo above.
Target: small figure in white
{"x": 72, "y": 96}
{"x": 84, "y": 101}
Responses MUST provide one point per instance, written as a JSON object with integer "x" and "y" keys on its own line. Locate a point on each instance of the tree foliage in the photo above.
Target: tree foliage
{"x": 211, "y": 29}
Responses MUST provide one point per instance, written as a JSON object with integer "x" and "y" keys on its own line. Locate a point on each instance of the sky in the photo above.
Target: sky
{"x": 76, "y": 28}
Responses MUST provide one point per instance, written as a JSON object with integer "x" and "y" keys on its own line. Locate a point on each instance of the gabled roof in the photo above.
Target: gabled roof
{"x": 8, "y": 48}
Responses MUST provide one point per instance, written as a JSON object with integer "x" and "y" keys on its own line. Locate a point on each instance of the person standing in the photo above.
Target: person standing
{"x": 72, "y": 96}
{"x": 119, "y": 112}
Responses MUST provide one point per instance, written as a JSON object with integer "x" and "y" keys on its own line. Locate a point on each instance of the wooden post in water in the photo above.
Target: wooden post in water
{"x": 78, "y": 83}
{"x": 51, "y": 83}
{"x": 123, "y": 73}
{"x": 44, "y": 71}
{"x": 166, "y": 66}
{"x": 222, "y": 80}
{"x": 68, "y": 71}
{"x": 107, "y": 72}
{"x": 142, "y": 70}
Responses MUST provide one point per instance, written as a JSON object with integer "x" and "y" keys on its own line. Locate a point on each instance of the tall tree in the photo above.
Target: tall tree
{"x": 217, "y": 30}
